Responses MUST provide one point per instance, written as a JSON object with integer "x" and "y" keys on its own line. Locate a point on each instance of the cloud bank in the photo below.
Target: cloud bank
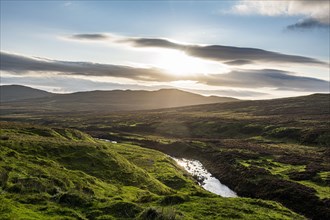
{"x": 21, "y": 65}
{"x": 65, "y": 84}
{"x": 315, "y": 12}
{"x": 90, "y": 36}
{"x": 271, "y": 78}
{"x": 226, "y": 54}
{"x": 264, "y": 78}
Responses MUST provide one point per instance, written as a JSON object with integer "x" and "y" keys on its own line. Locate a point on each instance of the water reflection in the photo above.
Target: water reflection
{"x": 205, "y": 179}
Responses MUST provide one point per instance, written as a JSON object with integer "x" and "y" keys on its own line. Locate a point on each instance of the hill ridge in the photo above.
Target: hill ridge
{"x": 110, "y": 100}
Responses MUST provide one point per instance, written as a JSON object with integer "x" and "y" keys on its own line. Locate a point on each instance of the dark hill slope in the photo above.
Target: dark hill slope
{"x": 16, "y": 92}
{"x": 118, "y": 100}
{"x": 315, "y": 104}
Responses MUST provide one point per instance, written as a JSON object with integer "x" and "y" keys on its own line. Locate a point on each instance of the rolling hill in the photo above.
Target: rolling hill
{"x": 115, "y": 100}
{"x": 17, "y": 93}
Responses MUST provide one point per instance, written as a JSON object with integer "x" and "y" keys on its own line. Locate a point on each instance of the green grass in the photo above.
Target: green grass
{"x": 323, "y": 192}
{"x": 324, "y": 175}
{"x": 274, "y": 167}
{"x": 283, "y": 170}
{"x": 57, "y": 173}
{"x": 212, "y": 208}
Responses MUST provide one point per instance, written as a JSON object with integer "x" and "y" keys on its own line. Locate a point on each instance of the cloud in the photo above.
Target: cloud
{"x": 314, "y": 10}
{"x": 90, "y": 37}
{"x": 270, "y": 78}
{"x": 153, "y": 42}
{"x": 64, "y": 84}
{"x": 307, "y": 24}
{"x": 238, "y": 62}
{"x": 22, "y": 65}
{"x": 230, "y": 93}
{"x": 267, "y": 78}
{"x": 228, "y": 54}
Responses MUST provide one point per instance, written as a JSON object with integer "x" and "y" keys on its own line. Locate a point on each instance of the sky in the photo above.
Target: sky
{"x": 244, "y": 49}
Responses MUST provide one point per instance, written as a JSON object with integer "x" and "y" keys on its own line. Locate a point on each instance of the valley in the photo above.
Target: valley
{"x": 269, "y": 150}
{"x": 165, "y": 110}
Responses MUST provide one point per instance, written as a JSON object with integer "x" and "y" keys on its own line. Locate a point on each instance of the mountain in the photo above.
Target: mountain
{"x": 115, "y": 100}
{"x": 17, "y": 92}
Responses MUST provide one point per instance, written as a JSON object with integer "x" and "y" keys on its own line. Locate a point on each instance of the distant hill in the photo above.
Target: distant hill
{"x": 115, "y": 100}
{"x": 17, "y": 92}
{"x": 315, "y": 104}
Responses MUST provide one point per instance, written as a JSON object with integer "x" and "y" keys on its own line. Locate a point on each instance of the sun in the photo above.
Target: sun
{"x": 178, "y": 63}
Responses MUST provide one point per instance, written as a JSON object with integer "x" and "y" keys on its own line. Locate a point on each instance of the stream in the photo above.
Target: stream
{"x": 106, "y": 140}
{"x": 205, "y": 179}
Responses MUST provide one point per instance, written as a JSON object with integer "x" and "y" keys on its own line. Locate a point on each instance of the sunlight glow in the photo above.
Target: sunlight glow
{"x": 178, "y": 63}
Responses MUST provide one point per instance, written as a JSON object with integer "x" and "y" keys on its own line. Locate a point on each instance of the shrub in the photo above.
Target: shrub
{"x": 160, "y": 214}
{"x": 174, "y": 182}
{"x": 283, "y": 132}
{"x": 251, "y": 129}
{"x": 3, "y": 178}
{"x": 4, "y": 138}
{"x": 172, "y": 200}
{"x": 122, "y": 210}
{"x": 324, "y": 140}
{"x": 74, "y": 199}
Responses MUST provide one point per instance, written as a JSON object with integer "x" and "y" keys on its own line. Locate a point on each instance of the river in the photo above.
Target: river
{"x": 205, "y": 179}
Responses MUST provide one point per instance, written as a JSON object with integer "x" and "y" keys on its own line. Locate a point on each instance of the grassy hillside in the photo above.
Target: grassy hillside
{"x": 58, "y": 173}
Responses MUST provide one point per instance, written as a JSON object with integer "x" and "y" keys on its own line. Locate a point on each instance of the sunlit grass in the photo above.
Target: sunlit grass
{"x": 48, "y": 173}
